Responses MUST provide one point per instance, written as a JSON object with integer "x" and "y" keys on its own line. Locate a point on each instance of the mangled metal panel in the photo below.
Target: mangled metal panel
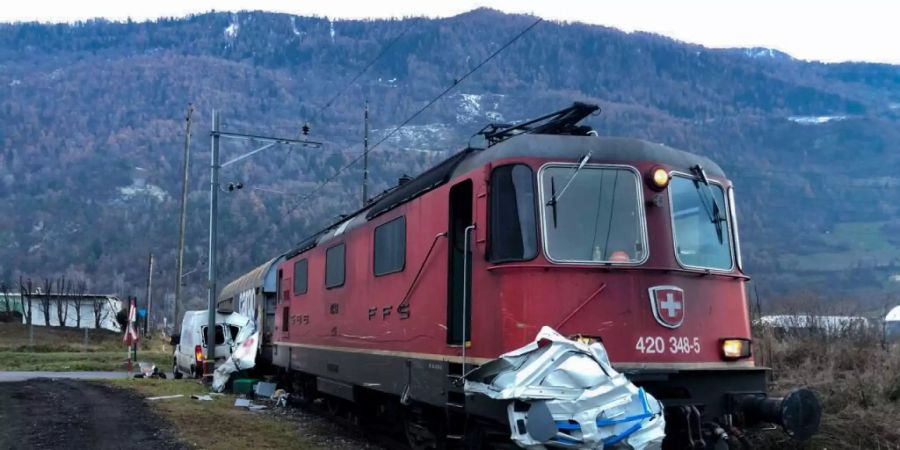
{"x": 243, "y": 356}
{"x": 565, "y": 394}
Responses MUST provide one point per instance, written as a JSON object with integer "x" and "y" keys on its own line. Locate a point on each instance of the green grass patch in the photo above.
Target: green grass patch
{"x": 71, "y": 349}
{"x": 216, "y": 424}
{"x": 858, "y": 245}
{"x": 77, "y": 361}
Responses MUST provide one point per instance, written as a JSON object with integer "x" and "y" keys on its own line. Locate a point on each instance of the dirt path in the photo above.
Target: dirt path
{"x": 70, "y": 414}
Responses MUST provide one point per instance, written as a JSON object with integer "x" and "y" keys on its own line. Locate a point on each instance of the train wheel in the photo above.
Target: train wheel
{"x": 421, "y": 437}
{"x": 333, "y": 406}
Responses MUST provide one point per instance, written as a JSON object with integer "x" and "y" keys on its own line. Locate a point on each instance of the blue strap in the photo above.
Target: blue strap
{"x": 645, "y": 414}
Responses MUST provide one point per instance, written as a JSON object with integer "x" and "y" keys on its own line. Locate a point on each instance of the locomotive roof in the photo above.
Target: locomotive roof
{"x": 602, "y": 149}
{"x": 526, "y": 145}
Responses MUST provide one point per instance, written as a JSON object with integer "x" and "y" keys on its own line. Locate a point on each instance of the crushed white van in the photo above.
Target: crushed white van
{"x": 191, "y": 347}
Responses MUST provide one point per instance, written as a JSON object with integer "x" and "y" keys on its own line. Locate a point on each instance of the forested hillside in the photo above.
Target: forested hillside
{"x": 92, "y": 128}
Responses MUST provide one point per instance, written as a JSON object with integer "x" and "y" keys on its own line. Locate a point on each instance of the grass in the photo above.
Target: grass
{"x": 856, "y": 377}
{"x": 77, "y": 361}
{"x": 216, "y": 424}
{"x": 859, "y": 242}
{"x": 14, "y": 336}
{"x": 65, "y": 349}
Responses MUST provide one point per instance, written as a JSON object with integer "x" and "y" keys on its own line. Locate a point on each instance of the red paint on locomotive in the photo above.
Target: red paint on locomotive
{"x": 511, "y": 301}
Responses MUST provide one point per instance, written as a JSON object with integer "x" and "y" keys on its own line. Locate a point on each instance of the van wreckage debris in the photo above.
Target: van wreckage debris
{"x": 243, "y": 357}
{"x": 567, "y": 395}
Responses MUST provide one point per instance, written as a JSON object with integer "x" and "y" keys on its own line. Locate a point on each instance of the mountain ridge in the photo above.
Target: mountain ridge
{"x": 82, "y": 107}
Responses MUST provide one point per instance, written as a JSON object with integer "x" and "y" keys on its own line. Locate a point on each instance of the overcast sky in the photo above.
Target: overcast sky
{"x": 827, "y": 30}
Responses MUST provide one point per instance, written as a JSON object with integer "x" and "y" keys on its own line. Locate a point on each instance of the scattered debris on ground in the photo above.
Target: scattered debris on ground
{"x": 164, "y": 397}
{"x": 257, "y": 424}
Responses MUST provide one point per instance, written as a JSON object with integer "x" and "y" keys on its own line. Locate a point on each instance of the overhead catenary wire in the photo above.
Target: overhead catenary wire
{"x": 409, "y": 119}
{"x": 365, "y": 69}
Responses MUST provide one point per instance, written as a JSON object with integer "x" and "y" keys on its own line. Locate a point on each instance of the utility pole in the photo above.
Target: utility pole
{"x": 179, "y": 265}
{"x": 214, "y": 188}
{"x": 365, "y": 196}
{"x": 213, "y": 241}
{"x": 149, "y": 295}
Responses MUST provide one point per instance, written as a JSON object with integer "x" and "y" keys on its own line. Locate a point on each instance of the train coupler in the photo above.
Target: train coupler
{"x": 798, "y": 413}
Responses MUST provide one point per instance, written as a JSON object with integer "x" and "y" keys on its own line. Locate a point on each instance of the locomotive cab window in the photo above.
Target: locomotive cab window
{"x": 390, "y": 247}
{"x": 592, "y": 214}
{"x": 301, "y": 273}
{"x": 513, "y": 232}
{"x": 700, "y": 224}
{"x": 335, "y": 269}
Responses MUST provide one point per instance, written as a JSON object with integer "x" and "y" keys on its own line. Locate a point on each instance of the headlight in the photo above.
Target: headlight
{"x": 735, "y": 348}
{"x": 658, "y": 178}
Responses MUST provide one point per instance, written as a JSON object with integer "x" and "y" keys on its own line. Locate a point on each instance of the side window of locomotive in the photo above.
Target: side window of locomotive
{"x": 279, "y": 297}
{"x": 592, "y": 215}
{"x": 513, "y": 232}
{"x": 699, "y": 242}
{"x": 335, "y": 269}
{"x": 301, "y": 273}
{"x": 390, "y": 247}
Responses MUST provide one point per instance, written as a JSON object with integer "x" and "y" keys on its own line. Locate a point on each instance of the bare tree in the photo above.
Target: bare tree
{"x": 103, "y": 310}
{"x": 63, "y": 292}
{"x": 4, "y": 289}
{"x": 25, "y": 292}
{"x": 78, "y": 301}
{"x": 44, "y": 305}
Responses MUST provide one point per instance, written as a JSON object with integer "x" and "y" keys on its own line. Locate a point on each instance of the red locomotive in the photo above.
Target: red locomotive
{"x": 631, "y": 243}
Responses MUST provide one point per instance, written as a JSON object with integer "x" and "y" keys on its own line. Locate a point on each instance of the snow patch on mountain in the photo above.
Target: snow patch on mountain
{"x": 432, "y": 137}
{"x": 473, "y": 108}
{"x": 231, "y": 31}
{"x": 390, "y": 82}
{"x": 764, "y": 53}
{"x": 138, "y": 188}
{"x": 815, "y": 120}
{"x": 297, "y": 32}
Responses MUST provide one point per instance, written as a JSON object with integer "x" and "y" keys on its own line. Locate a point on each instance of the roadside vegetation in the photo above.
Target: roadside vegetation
{"x": 856, "y": 374}
{"x": 70, "y": 349}
{"x": 218, "y": 423}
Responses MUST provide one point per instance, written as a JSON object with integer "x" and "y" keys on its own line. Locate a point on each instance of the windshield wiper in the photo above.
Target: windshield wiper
{"x": 713, "y": 211}
{"x": 555, "y": 198}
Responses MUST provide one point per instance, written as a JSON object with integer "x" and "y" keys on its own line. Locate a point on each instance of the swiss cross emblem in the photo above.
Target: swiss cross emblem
{"x": 668, "y": 305}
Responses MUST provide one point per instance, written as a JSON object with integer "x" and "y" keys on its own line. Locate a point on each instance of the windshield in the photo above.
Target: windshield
{"x": 697, "y": 242}
{"x": 599, "y": 218}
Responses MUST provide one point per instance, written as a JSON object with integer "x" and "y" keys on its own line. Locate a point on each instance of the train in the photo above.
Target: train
{"x": 614, "y": 240}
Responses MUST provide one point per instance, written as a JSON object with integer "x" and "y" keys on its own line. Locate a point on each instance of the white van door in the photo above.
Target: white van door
{"x": 185, "y": 351}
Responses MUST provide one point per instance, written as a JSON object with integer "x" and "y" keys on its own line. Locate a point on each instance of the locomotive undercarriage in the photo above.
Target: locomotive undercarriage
{"x": 422, "y": 402}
